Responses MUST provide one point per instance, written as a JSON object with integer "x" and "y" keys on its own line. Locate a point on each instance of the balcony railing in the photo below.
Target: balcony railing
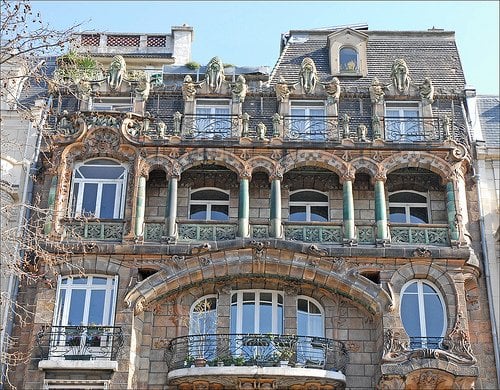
{"x": 426, "y": 342}
{"x": 80, "y": 342}
{"x": 414, "y": 129}
{"x": 311, "y": 128}
{"x": 322, "y": 233}
{"x": 210, "y": 126}
{"x": 417, "y": 234}
{"x": 207, "y": 231}
{"x": 256, "y": 350}
{"x": 94, "y": 230}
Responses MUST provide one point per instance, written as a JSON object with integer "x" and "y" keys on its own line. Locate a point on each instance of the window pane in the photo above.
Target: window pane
{"x": 198, "y": 212}
{"x": 248, "y": 317}
{"x": 302, "y": 323}
{"x": 302, "y": 305}
{"x": 418, "y": 215}
{"x": 407, "y": 197}
{"x": 280, "y": 320}
{"x": 209, "y": 195}
{"x": 348, "y": 59}
{"x": 319, "y": 213}
{"x": 80, "y": 280}
{"x": 97, "y": 280}
{"x": 76, "y": 307}
{"x": 108, "y": 201}
{"x": 89, "y": 199}
{"x": 316, "y": 326}
{"x": 219, "y": 213}
{"x": 266, "y": 297}
{"x": 397, "y": 214}
{"x": 434, "y": 316}
{"x": 109, "y": 172}
{"x": 265, "y": 318}
{"x": 96, "y": 308}
{"x": 410, "y": 315}
{"x": 308, "y": 196}
{"x": 297, "y": 213}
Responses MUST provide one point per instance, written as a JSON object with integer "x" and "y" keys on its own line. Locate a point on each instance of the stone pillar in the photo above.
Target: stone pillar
{"x": 275, "y": 229}
{"x": 462, "y": 213}
{"x": 47, "y": 228}
{"x": 244, "y": 208}
{"x": 348, "y": 211}
{"x": 452, "y": 212}
{"x": 140, "y": 207}
{"x": 171, "y": 211}
{"x": 381, "y": 211}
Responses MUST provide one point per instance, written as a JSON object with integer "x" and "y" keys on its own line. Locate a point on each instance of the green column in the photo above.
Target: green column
{"x": 140, "y": 207}
{"x": 275, "y": 212}
{"x": 348, "y": 212}
{"x": 452, "y": 211}
{"x": 47, "y": 227}
{"x": 381, "y": 212}
{"x": 172, "y": 207}
{"x": 244, "y": 209}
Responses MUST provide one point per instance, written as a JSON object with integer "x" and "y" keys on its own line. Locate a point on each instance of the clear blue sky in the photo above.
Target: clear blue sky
{"x": 248, "y": 32}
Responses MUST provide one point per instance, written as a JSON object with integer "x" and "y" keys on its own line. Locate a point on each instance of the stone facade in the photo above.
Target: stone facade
{"x": 267, "y": 231}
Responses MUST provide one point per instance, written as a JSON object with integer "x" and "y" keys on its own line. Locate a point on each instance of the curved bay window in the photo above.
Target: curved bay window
{"x": 348, "y": 60}
{"x": 209, "y": 204}
{"x": 98, "y": 189}
{"x": 255, "y": 311}
{"x": 423, "y": 314}
{"x": 408, "y": 207}
{"x": 308, "y": 206}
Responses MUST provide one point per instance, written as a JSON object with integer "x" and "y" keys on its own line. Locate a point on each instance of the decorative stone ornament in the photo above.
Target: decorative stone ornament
{"x": 188, "y": 89}
{"x": 117, "y": 69}
{"x": 333, "y": 91}
{"x": 308, "y": 76}
{"x": 400, "y": 76}
{"x": 214, "y": 75}
{"x": 239, "y": 89}
{"x": 376, "y": 91}
{"x": 427, "y": 92}
{"x": 282, "y": 90}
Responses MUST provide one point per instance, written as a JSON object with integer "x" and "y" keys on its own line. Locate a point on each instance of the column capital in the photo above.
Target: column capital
{"x": 175, "y": 173}
{"x": 277, "y": 173}
{"x": 381, "y": 175}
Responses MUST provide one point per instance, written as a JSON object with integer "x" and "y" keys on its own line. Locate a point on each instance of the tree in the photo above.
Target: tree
{"x": 27, "y": 45}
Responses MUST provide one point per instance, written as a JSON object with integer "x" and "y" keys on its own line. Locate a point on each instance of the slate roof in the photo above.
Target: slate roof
{"x": 489, "y": 116}
{"x": 432, "y": 54}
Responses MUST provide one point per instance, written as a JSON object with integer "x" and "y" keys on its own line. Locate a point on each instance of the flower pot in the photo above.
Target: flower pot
{"x": 200, "y": 362}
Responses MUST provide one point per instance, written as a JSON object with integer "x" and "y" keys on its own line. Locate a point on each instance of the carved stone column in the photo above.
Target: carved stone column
{"x": 452, "y": 212}
{"x": 244, "y": 208}
{"x": 381, "y": 210}
{"x": 348, "y": 210}
{"x": 462, "y": 216}
{"x": 140, "y": 207}
{"x": 275, "y": 230}
{"x": 171, "y": 211}
{"x": 47, "y": 228}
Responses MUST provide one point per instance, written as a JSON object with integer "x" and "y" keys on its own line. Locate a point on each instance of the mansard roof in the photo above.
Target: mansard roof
{"x": 489, "y": 116}
{"x": 431, "y": 53}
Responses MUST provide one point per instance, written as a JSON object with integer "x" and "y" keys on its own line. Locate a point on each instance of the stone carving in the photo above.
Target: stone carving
{"x": 457, "y": 341}
{"x": 101, "y": 120}
{"x": 277, "y": 121}
{"x": 333, "y": 91}
{"x": 161, "y": 128}
{"x": 239, "y": 89}
{"x": 245, "y": 119}
{"x": 394, "y": 346}
{"x": 259, "y": 248}
{"x": 400, "y": 75}
{"x": 215, "y": 74}
{"x": 427, "y": 380}
{"x": 315, "y": 250}
{"x": 204, "y": 261}
{"x": 377, "y": 127}
{"x": 282, "y": 90}
{"x": 188, "y": 89}
{"x": 116, "y": 71}
{"x": 362, "y": 131}
{"x": 376, "y": 91}
{"x": 308, "y": 75}
{"x": 205, "y": 247}
{"x": 102, "y": 141}
{"x": 427, "y": 92}
{"x": 65, "y": 125}
{"x": 143, "y": 84}
{"x": 447, "y": 127}
{"x": 177, "y": 122}
{"x": 261, "y": 130}
{"x": 391, "y": 383}
{"x": 422, "y": 252}
{"x": 345, "y": 125}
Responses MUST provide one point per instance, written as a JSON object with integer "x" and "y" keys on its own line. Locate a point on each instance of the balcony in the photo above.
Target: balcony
{"x": 272, "y": 355}
{"x": 426, "y": 342}
{"x": 83, "y": 347}
{"x": 324, "y": 233}
{"x": 311, "y": 128}
{"x": 93, "y": 230}
{"x": 407, "y": 234}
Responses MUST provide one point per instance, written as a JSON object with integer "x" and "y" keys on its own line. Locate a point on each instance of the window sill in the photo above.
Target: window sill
{"x": 102, "y": 365}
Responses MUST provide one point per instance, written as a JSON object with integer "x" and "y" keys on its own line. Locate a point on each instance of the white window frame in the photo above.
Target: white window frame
{"x": 274, "y": 304}
{"x": 421, "y": 308}
{"x": 208, "y": 203}
{"x": 306, "y": 120}
{"x": 112, "y": 103}
{"x": 192, "y": 311}
{"x": 354, "y": 71}
{"x": 77, "y": 199}
{"x": 212, "y": 105}
{"x": 401, "y": 107}
{"x": 111, "y": 288}
{"x": 309, "y": 204}
{"x": 310, "y": 315}
{"x": 407, "y": 206}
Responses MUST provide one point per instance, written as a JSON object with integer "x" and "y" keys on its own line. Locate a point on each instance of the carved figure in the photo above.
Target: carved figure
{"x": 276, "y": 124}
{"x": 400, "y": 75}
{"x": 345, "y": 125}
{"x": 308, "y": 75}
{"x": 261, "y": 130}
{"x": 377, "y": 127}
{"x": 376, "y": 91}
{"x": 116, "y": 71}
{"x": 162, "y": 128}
{"x": 362, "y": 133}
{"x": 282, "y": 90}
{"x": 188, "y": 89}
{"x": 427, "y": 91}
{"x": 143, "y": 86}
{"x": 215, "y": 74}
{"x": 240, "y": 89}
{"x": 333, "y": 91}
{"x": 447, "y": 126}
{"x": 65, "y": 126}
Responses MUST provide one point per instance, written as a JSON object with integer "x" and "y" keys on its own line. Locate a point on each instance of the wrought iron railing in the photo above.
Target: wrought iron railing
{"x": 207, "y": 231}
{"x": 417, "y": 234}
{"x": 80, "y": 342}
{"x": 94, "y": 230}
{"x": 311, "y": 128}
{"x": 256, "y": 350}
{"x": 426, "y": 342}
{"x": 210, "y": 126}
{"x": 323, "y": 233}
{"x": 414, "y": 129}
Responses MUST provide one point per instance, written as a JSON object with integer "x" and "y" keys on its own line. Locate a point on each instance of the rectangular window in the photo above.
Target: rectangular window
{"x": 403, "y": 122}
{"x": 307, "y": 121}
{"x": 120, "y": 104}
{"x": 213, "y": 119}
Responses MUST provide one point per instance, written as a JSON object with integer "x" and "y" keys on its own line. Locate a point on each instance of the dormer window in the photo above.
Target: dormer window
{"x": 348, "y": 60}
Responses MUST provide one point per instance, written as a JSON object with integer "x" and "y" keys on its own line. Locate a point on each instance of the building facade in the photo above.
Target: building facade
{"x": 315, "y": 227}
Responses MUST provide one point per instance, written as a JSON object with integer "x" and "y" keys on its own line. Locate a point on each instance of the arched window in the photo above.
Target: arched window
{"x": 209, "y": 204}
{"x": 98, "y": 189}
{"x": 408, "y": 207}
{"x": 203, "y": 316}
{"x": 423, "y": 314}
{"x": 310, "y": 318}
{"x": 308, "y": 206}
{"x": 348, "y": 60}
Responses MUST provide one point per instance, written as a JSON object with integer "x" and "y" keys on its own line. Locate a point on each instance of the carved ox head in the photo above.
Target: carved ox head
{"x": 400, "y": 75}
{"x": 116, "y": 71}
{"x": 308, "y": 75}
{"x": 215, "y": 74}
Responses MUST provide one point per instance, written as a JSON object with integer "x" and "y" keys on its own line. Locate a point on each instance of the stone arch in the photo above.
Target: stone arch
{"x": 423, "y": 160}
{"x": 292, "y": 268}
{"x": 162, "y": 163}
{"x": 316, "y": 158}
{"x": 263, "y": 164}
{"x": 365, "y": 165}
{"x": 220, "y": 157}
